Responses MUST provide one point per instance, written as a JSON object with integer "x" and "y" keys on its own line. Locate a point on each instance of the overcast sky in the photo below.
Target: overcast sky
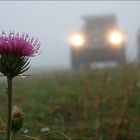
{"x": 53, "y": 22}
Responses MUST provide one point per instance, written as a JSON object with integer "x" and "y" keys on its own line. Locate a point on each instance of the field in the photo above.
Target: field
{"x": 97, "y": 104}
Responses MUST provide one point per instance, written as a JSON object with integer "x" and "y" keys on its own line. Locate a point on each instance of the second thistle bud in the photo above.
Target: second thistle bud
{"x": 17, "y": 118}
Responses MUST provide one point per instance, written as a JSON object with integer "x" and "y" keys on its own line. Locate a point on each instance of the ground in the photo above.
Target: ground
{"x": 97, "y": 104}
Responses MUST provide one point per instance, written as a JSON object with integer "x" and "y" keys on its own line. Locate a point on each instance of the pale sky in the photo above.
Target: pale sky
{"x": 52, "y": 22}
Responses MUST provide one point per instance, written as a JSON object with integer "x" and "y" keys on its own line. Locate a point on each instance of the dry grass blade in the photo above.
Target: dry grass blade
{"x": 30, "y": 137}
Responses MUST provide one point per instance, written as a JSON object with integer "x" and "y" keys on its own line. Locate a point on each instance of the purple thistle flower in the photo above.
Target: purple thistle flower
{"x": 18, "y": 44}
{"x": 15, "y": 51}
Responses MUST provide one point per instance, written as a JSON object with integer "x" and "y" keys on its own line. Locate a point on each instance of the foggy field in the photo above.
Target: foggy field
{"x": 82, "y": 105}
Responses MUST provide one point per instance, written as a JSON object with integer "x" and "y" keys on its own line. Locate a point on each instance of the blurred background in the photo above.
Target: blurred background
{"x": 54, "y": 22}
{"x": 86, "y": 79}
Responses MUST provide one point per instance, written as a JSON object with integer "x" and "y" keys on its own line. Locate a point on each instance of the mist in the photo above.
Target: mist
{"x": 52, "y": 22}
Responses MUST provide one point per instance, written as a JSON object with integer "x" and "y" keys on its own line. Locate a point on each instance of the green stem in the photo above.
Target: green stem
{"x": 12, "y": 135}
{"x": 9, "y": 95}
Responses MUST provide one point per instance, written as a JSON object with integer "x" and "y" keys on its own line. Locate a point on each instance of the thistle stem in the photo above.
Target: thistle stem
{"x": 9, "y": 96}
{"x": 12, "y": 135}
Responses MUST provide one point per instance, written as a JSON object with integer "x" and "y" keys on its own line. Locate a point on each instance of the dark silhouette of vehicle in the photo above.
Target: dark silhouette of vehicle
{"x": 97, "y": 47}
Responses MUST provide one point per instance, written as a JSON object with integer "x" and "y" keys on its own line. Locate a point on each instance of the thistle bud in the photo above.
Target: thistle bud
{"x": 17, "y": 118}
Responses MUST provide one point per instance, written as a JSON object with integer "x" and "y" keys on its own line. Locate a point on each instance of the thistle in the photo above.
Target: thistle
{"x": 15, "y": 51}
{"x": 17, "y": 120}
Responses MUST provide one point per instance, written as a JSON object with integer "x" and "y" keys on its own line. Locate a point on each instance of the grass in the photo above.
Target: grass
{"x": 79, "y": 105}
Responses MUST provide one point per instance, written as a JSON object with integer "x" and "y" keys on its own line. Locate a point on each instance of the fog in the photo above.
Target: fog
{"x": 53, "y": 22}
